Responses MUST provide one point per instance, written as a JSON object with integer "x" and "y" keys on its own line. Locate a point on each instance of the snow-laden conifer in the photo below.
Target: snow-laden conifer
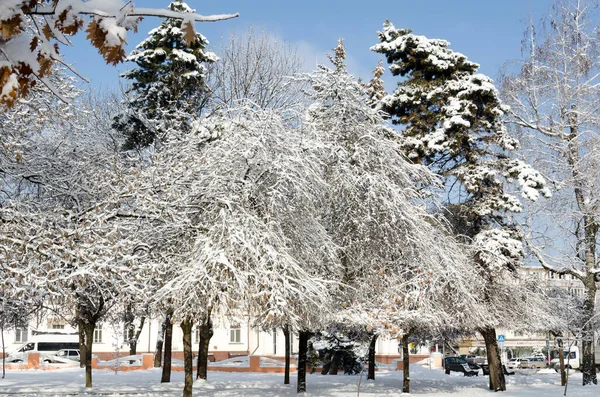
{"x": 452, "y": 122}
{"x": 168, "y": 82}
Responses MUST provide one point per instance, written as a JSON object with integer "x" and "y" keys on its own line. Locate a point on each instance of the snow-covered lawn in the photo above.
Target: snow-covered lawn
{"x": 424, "y": 382}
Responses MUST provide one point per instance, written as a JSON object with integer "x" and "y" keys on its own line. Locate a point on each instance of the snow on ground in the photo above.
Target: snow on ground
{"x": 424, "y": 382}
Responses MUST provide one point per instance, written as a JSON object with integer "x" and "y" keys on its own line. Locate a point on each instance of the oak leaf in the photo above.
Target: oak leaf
{"x": 10, "y": 27}
{"x": 95, "y": 34}
{"x": 189, "y": 32}
{"x": 47, "y": 32}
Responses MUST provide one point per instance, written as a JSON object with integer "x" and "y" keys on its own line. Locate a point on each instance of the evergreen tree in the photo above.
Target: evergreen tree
{"x": 375, "y": 88}
{"x": 167, "y": 85}
{"x": 452, "y": 122}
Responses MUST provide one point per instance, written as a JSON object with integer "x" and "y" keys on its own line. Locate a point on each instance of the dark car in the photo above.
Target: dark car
{"x": 458, "y": 364}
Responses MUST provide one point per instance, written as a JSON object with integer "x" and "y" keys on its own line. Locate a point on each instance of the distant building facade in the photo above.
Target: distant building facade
{"x": 523, "y": 339}
{"x": 233, "y": 339}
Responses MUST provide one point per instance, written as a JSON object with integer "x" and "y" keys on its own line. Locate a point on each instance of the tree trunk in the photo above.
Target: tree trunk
{"x": 302, "y": 360}
{"x": 590, "y": 234}
{"x": 186, "y": 327}
{"x": 561, "y": 359}
{"x": 206, "y": 332}
{"x": 497, "y": 380}
{"x": 3, "y": 353}
{"x": 287, "y": 342}
{"x": 336, "y": 360}
{"x": 327, "y": 360}
{"x": 133, "y": 341}
{"x": 166, "y": 371}
{"x": 371, "y": 372}
{"x": 406, "y": 366}
{"x": 82, "y": 345}
{"x": 160, "y": 340}
{"x": 89, "y": 339}
{"x": 588, "y": 365}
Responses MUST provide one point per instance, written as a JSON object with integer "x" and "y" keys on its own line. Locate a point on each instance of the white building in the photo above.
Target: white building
{"x": 229, "y": 341}
{"x": 524, "y": 338}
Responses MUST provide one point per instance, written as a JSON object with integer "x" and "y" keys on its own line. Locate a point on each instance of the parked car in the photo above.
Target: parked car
{"x": 471, "y": 358}
{"x": 63, "y": 356}
{"x": 533, "y": 362}
{"x": 485, "y": 368}
{"x": 458, "y": 364}
{"x": 514, "y": 363}
{"x": 46, "y": 345}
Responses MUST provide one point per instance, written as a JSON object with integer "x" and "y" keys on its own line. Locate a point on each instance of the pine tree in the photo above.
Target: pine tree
{"x": 339, "y": 57}
{"x": 167, "y": 85}
{"x": 452, "y": 122}
{"x": 375, "y": 88}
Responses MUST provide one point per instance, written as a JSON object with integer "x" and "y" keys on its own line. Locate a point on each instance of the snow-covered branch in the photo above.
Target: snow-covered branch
{"x": 30, "y": 29}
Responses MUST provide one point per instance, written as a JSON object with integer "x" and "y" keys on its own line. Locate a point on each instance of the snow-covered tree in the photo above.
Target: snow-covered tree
{"x": 451, "y": 120}
{"x": 235, "y": 210}
{"x": 553, "y": 95}
{"x": 397, "y": 261}
{"x": 64, "y": 220}
{"x": 255, "y": 67}
{"x": 375, "y": 87}
{"x": 33, "y": 31}
{"x": 167, "y": 85}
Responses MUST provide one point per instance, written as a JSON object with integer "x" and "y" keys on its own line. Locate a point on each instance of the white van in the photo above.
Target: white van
{"x": 46, "y": 345}
{"x": 573, "y": 358}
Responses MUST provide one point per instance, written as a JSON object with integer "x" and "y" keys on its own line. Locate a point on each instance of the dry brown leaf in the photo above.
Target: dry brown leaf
{"x": 95, "y": 34}
{"x": 47, "y": 32}
{"x": 33, "y": 44}
{"x": 113, "y": 55}
{"x": 45, "y": 65}
{"x": 71, "y": 28}
{"x": 8, "y": 100}
{"x": 10, "y": 27}
{"x": 189, "y": 32}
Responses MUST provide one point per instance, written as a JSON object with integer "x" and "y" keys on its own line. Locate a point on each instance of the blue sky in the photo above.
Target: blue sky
{"x": 488, "y": 32}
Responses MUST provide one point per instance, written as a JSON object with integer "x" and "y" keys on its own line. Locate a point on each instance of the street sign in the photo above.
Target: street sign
{"x": 501, "y": 338}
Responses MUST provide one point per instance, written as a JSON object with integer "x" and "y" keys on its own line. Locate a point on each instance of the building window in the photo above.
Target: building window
{"x": 21, "y": 335}
{"x": 235, "y": 334}
{"x": 57, "y": 326}
{"x": 275, "y": 341}
{"x": 197, "y": 334}
{"x": 98, "y": 335}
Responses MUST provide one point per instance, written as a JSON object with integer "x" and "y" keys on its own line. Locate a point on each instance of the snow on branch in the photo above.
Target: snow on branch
{"x": 31, "y": 31}
{"x": 539, "y": 255}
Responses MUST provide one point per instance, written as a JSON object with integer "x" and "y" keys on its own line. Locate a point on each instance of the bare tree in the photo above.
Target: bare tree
{"x": 553, "y": 94}
{"x": 255, "y": 67}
